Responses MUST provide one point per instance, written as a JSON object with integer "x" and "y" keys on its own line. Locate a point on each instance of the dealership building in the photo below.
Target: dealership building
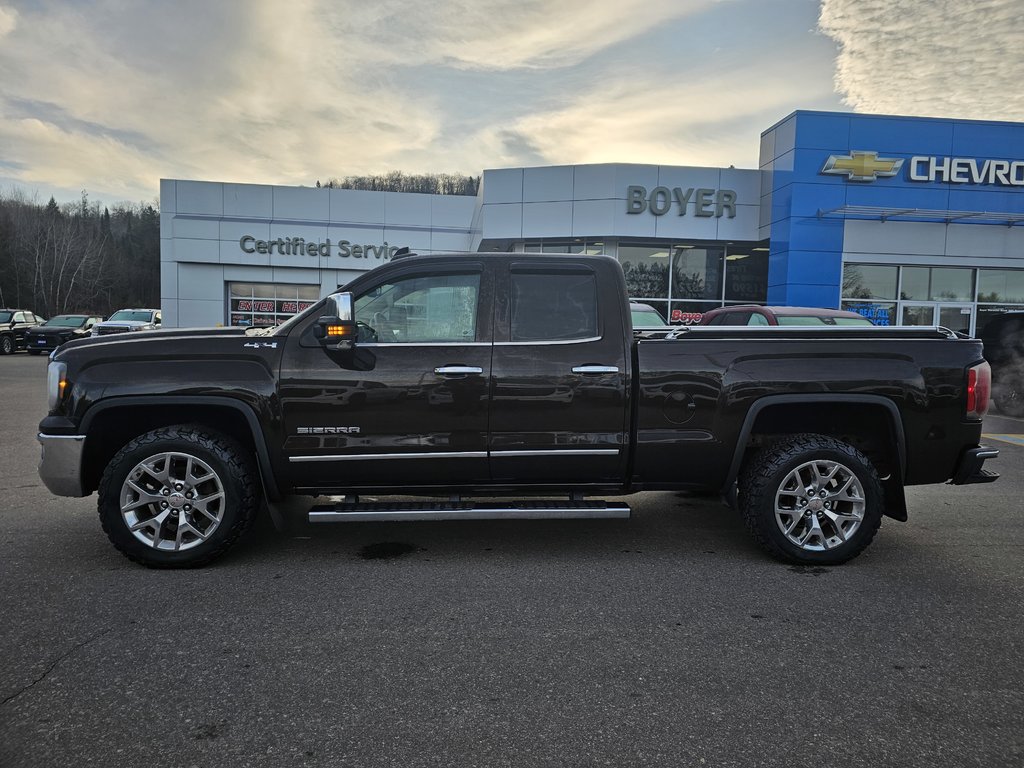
{"x": 907, "y": 220}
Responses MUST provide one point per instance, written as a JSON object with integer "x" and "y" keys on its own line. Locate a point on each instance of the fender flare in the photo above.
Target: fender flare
{"x": 270, "y": 486}
{"x": 896, "y": 503}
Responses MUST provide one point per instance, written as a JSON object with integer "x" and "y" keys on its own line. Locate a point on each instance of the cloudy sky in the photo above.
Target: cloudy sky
{"x": 111, "y": 95}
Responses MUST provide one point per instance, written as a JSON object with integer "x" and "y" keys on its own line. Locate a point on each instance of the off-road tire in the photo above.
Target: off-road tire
{"x": 6, "y": 345}
{"x": 236, "y": 471}
{"x": 765, "y": 472}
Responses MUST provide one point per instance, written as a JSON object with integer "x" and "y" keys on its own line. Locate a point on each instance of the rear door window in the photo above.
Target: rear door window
{"x": 553, "y": 306}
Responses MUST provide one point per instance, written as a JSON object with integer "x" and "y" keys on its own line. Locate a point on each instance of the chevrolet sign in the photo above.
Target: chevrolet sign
{"x": 862, "y": 166}
{"x": 967, "y": 170}
{"x": 868, "y": 166}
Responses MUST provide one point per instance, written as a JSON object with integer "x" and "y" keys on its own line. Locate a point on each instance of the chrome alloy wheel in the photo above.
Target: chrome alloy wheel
{"x": 172, "y": 501}
{"x": 819, "y": 505}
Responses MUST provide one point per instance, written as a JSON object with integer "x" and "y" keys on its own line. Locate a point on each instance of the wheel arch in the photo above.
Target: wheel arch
{"x": 857, "y": 418}
{"x": 110, "y": 424}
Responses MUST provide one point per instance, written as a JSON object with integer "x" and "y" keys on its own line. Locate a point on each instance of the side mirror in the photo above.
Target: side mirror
{"x": 337, "y": 329}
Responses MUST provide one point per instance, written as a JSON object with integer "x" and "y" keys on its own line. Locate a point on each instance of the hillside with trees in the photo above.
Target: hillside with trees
{"x": 83, "y": 257}
{"x": 78, "y": 257}
{"x": 399, "y": 181}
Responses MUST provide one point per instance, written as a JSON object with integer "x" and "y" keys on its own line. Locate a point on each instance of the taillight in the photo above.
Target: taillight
{"x": 979, "y": 388}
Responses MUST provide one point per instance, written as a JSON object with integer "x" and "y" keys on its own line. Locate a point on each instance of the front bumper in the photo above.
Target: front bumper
{"x": 60, "y": 467}
{"x": 43, "y": 343}
{"x": 969, "y": 469}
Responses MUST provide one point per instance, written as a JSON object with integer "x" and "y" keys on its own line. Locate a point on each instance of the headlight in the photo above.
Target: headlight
{"x": 56, "y": 381}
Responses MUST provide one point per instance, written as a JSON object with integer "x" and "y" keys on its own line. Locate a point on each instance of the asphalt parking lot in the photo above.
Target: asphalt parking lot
{"x": 668, "y": 639}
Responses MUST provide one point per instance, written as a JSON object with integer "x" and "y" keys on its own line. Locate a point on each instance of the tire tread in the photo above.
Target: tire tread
{"x": 756, "y": 480}
{"x": 226, "y": 449}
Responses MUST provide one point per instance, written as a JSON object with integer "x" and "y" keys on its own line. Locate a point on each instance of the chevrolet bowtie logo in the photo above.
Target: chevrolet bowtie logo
{"x": 862, "y": 166}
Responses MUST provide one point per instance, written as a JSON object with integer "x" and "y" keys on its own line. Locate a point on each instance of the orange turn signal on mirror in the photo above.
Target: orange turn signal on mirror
{"x": 339, "y": 330}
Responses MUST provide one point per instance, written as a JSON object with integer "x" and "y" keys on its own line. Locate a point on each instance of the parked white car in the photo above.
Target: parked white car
{"x": 125, "y": 320}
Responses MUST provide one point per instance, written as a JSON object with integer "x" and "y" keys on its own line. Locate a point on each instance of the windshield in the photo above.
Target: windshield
{"x": 646, "y": 318}
{"x": 5, "y": 317}
{"x": 66, "y": 321}
{"x": 852, "y": 321}
{"x": 130, "y": 314}
{"x": 800, "y": 320}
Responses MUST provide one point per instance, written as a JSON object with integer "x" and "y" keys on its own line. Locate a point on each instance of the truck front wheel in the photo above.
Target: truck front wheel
{"x": 811, "y": 499}
{"x": 177, "y": 497}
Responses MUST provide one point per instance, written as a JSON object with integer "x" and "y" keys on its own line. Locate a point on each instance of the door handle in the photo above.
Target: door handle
{"x": 594, "y": 369}
{"x": 457, "y": 370}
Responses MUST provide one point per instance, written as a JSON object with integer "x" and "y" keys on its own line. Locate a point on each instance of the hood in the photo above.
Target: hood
{"x": 157, "y": 335}
{"x": 52, "y": 330}
{"x": 122, "y": 324}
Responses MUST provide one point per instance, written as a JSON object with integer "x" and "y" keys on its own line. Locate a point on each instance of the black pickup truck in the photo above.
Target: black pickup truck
{"x": 478, "y": 377}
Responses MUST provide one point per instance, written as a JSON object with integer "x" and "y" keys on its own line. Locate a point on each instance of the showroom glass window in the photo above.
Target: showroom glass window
{"x": 999, "y": 291}
{"x": 646, "y": 268}
{"x": 870, "y": 290}
{"x": 263, "y": 305}
{"x": 681, "y": 281}
{"x": 937, "y": 284}
{"x": 746, "y": 275}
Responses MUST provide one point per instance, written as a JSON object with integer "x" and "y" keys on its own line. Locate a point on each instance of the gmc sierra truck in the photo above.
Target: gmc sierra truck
{"x": 471, "y": 379}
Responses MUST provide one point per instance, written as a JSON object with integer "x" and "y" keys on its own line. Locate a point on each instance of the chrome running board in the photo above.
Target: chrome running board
{"x": 457, "y": 510}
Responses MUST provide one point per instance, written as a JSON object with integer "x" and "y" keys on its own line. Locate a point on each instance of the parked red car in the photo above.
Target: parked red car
{"x": 754, "y": 314}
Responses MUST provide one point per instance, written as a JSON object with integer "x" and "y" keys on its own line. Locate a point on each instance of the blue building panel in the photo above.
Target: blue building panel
{"x": 969, "y": 137}
{"x": 804, "y": 295}
{"x": 822, "y": 130}
{"x": 783, "y": 137}
{"x": 811, "y": 197}
{"x": 931, "y": 197}
{"x": 821, "y": 172}
{"x": 767, "y": 150}
{"x": 900, "y": 136}
{"x": 817, "y": 234}
{"x": 986, "y": 198}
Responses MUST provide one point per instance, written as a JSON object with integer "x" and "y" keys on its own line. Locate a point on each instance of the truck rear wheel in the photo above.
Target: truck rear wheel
{"x": 177, "y": 497}
{"x": 811, "y": 499}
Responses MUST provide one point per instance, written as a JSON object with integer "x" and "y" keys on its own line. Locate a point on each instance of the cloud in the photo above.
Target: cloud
{"x": 713, "y": 117}
{"x": 499, "y": 35}
{"x": 110, "y": 96}
{"x": 8, "y": 20}
{"x": 941, "y": 58}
